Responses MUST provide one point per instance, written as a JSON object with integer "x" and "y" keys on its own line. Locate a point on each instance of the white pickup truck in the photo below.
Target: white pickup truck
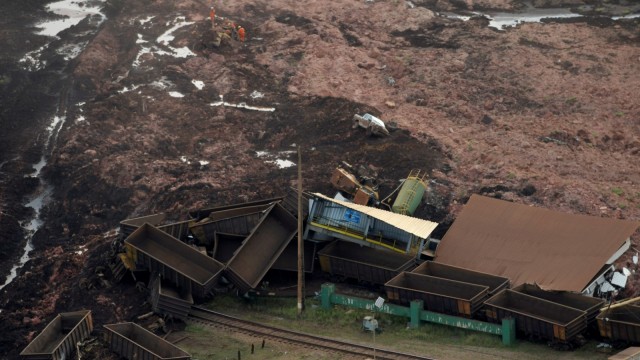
{"x": 373, "y": 125}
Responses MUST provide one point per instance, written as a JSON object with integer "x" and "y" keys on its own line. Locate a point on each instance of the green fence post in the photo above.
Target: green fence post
{"x": 325, "y": 295}
{"x": 415, "y": 307}
{"x": 508, "y": 331}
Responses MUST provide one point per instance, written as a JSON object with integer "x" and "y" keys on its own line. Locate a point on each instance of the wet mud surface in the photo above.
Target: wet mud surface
{"x": 544, "y": 114}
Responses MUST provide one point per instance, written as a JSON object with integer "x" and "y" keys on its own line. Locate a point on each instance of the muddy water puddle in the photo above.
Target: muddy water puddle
{"x": 72, "y": 12}
{"x": 504, "y": 20}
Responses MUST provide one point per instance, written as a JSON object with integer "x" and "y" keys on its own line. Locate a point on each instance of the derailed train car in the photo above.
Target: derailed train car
{"x": 131, "y": 341}
{"x": 237, "y": 221}
{"x": 59, "y": 338}
{"x": 168, "y": 300}
{"x": 261, "y": 248}
{"x": 175, "y": 261}
{"x": 365, "y": 264}
{"x": 621, "y": 323}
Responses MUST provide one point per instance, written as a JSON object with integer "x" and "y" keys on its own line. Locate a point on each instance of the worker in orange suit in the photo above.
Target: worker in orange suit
{"x": 241, "y": 33}
{"x": 212, "y": 15}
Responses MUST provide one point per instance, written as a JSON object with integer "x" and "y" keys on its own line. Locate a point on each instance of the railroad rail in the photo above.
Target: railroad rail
{"x": 214, "y": 318}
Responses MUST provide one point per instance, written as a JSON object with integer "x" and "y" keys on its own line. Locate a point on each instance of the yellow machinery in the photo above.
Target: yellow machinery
{"x": 411, "y": 193}
{"x": 363, "y": 194}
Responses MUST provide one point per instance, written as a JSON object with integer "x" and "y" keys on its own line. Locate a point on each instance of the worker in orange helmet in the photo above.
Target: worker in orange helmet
{"x": 241, "y": 33}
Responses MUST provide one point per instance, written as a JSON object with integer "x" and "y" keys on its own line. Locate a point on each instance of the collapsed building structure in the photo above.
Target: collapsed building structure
{"x": 331, "y": 218}
{"x": 527, "y": 244}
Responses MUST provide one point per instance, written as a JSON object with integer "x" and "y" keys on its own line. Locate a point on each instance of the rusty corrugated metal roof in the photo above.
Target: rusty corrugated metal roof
{"x": 418, "y": 227}
{"x": 527, "y": 244}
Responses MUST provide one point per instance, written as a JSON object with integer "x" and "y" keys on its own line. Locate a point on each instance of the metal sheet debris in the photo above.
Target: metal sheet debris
{"x": 418, "y": 227}
{"x": 606, "y": 287}
{"x": 619, "y": 279}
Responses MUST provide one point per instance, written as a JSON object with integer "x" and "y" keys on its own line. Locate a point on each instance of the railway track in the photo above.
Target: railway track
{"x": 210, "y": 317}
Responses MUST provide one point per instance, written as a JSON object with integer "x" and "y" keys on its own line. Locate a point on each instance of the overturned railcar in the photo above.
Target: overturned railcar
{"x": 237, "y": 221}
{"x": 175, "y": 261}
{"x": 225, "y": 245}
{"x": 168, "y": 300}
{"x": 262, "y": 248}
{"x": 128, "y": 226}
{"x": 179, "y": 230}
{"x": 288, "y": 260}
{"x": 493, "y": 282}
{"x": 535, "y": 317}
{"x": 438, "y": 294}
{"x": 59, "y": 338}
{"x": 201, "y": 214}
{"x": 362, "y": 263}
{"x": 132, "y": 341}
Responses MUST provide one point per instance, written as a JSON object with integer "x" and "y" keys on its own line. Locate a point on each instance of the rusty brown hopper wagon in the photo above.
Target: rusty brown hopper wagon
{"x": 200, "y": 214}
{"x": 225, "y": 245}
{"x": 131, "y": 341}
{"x": 537, "y": 317}
{"x": 493, "y": 282}
{"x": 590, "y": 305}
{"x": 290, "y": 202}
{"x": 365, "y": 264}
{"x": 169, "y": 300}
{"x": 238, "y": 221}
{"x": 262, "y": 248}
{"x": 59, "y": 338}
{"x": 175, "y": 261}
{"x": 438, "y": 294}
{"x": 128, "y": 226}
{"x": 288, "y": 260}
{"x": 620, "y": 323}
{"x": 179, "y": 230}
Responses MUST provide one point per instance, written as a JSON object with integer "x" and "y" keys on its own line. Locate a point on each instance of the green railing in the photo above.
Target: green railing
{"x": 415, "y": 313}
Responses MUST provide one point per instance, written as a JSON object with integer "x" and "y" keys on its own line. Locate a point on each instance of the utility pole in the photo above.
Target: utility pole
{"x": 376, "y": 305}
{"x": 300, "y": 241}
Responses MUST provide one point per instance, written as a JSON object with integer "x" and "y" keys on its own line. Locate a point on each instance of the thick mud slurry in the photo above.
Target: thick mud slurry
{"x": 158, "y": 119}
